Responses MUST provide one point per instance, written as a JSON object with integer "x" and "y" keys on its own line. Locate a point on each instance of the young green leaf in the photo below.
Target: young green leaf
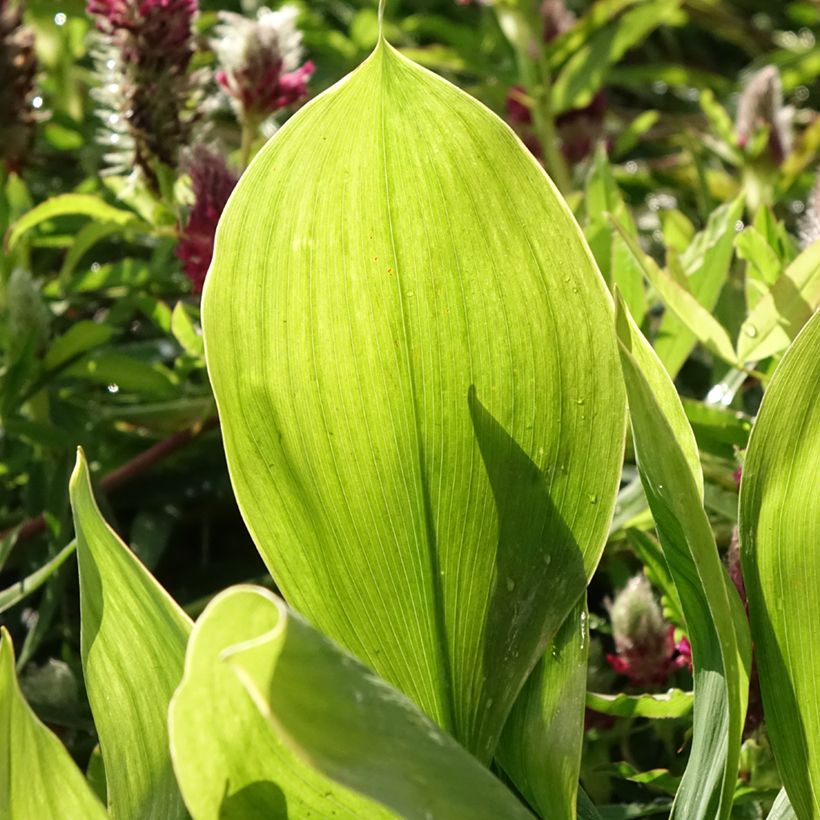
{"x": 777, "y": 318}
{"x": 541, "y": 746}
{"x": 668, "y": 462}
{"x": 407, "y": 339}
{"x": 133, "y": 646}
{"x": 227, "y": 761}
{"x": 618, "y": 265}
{"x": 705, "y": 262}
{"x": 779, "y": 524}
{"x": 680, "y": 301}
{"x": 354, "y": 728}
{"x": 38, "y": 776}
{"x": 66, "y": 205}
{"x": 673, "y": 703}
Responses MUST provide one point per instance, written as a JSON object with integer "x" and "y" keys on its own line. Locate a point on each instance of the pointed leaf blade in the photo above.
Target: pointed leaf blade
{"x": 133, "y": 640}
{"x": 395, "y": 269}
{"x": 779, "y": 523}
{"x": 37, "y": 775}
{"x": 715, "y": 620}
{"x": 227, "y": 761}
{"x": 777, "y": 318}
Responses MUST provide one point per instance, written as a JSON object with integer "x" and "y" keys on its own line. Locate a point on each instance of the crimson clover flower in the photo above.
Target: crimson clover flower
{"x": 146, "y": 93}
{"x": 18, "y": 67}
{"x": 260, "y": 62}
{"x": 212, "y": 183}
{"x": 645, "y": 647}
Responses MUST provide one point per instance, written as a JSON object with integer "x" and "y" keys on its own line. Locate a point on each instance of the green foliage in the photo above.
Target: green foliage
{"x": 422, "y": 400}
{"x": 779, "y": 522}
{"x": 457, "y": 519}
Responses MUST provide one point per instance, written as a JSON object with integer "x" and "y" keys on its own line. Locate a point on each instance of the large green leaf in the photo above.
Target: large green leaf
{"x": 227, "y": 761}
{"x": 411, "y": 352}
{"x": 715, "y": 622}
{"x": 133, "y": 647}
{"x": 779, "y": 527}
{"x": 354, "y": 728}
{"x": 777, "y": 318}
{"x": 38, "y": 778}
{"x": 541, "y": 746}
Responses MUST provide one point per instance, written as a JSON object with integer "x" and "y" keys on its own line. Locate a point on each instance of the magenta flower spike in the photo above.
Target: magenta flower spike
{"x": 143, "y": 56}
{"x": 212, "y": 183}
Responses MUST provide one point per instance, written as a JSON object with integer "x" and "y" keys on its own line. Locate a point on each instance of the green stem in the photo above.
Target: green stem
{"x": 537, "y": 79}
{"x": 250, "y": 130}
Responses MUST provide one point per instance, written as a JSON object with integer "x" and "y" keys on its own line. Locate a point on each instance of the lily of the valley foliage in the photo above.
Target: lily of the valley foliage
{"x": 518, "y": 453}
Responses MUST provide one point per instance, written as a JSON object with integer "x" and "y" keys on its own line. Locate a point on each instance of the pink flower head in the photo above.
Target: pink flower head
{"x": 646, "y": 651}
{"x": 212, "y": 183}
{"x": 162, "y": 25}
{"x": 260, "y": 61}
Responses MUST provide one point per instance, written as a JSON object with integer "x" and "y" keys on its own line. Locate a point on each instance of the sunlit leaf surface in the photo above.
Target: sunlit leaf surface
{"x": 670, "y": 470}
{"x": 38, "y": 778}
{"x": 779, "y": 526}
{"x": 133, "y": 646}
{"x": 351, "y": 726}
{"x": 227, "y": 760}
{"x": 412, "y": 355}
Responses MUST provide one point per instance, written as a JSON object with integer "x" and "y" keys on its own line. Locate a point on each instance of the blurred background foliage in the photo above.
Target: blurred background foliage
{"x": 693, "y": 122}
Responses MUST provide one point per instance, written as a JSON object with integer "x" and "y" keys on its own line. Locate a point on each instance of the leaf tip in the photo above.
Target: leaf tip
{"x": 79, "y": 472}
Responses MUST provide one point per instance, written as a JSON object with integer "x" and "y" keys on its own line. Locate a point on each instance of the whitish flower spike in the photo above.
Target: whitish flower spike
{"x": 260, "y": 61}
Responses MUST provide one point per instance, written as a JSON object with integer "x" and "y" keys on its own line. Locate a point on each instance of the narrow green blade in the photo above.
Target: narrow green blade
{"x": 354, "y": 728}
{"x": 782, "y": 808}
{"x": 541, "y": 746}
{"x": 411, "y": 354}
{"x": 38, "y": 778}
{"x": 779, "y": 533}
{"x": 715, "y": 621}
{"x": 133, "y": 647}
